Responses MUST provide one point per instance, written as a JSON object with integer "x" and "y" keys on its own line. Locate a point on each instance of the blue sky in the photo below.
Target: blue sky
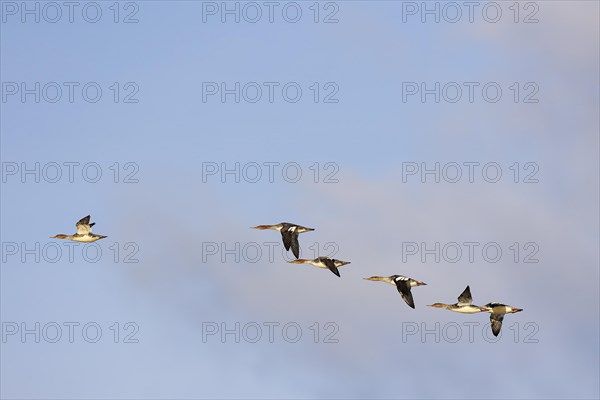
{"x": 170, "y": 216}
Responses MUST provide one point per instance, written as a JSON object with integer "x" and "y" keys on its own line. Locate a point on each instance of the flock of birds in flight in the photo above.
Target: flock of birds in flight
{"x": 289, "y": 234}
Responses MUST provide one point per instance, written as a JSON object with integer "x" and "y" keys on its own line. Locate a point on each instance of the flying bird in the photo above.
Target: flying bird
{"x": 323, "y": 262}
{"x": 289, "y": 234}
{"x": 84, "y": 232}
{"x": 497, "y": 312}
{"x": 464, "y": 305}
{"x": 402, "y": 283}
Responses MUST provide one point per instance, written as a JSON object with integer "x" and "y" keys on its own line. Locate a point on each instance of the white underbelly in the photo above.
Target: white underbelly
{"x": 85, "y": 239}
{"x": 468, "y": 310}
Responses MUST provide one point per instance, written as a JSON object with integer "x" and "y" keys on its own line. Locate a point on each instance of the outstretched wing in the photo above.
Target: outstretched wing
{"x": 496, "y": 323}
{"x": 404, "y": 290}
{"x": 83, "y": 226}
{"x": 331, "y": 265}
{"x": 465, "y": 298}
{"x": 287, "y": 238}
{"x": 295, "y": 245}
{"x": 290, "y": 239}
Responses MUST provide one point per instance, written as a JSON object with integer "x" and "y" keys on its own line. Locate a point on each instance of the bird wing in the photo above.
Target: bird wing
{"x": 331, "y": 265}
{"x": 404, "y": 289}
{"x": 465, "y": 298}
{"x": 496, "y": 323}
{"x": 287, "y": 238}
{"x": 83, "y": 226}
{"x": 295, "y": 245}
{"x": 290, "y": 239}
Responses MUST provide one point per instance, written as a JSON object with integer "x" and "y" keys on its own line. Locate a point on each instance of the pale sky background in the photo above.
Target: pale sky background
{"x": 369, "y": 213}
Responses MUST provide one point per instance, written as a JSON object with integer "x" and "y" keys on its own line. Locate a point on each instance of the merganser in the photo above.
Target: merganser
{"x": 84, "y": 232}
{"x": 497, "y": 311}
{"x": 289, "y": 234}
{"x": 323, "y": 262}
{"x": 464, "y": 305}
{"x": 402, "y": 283}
